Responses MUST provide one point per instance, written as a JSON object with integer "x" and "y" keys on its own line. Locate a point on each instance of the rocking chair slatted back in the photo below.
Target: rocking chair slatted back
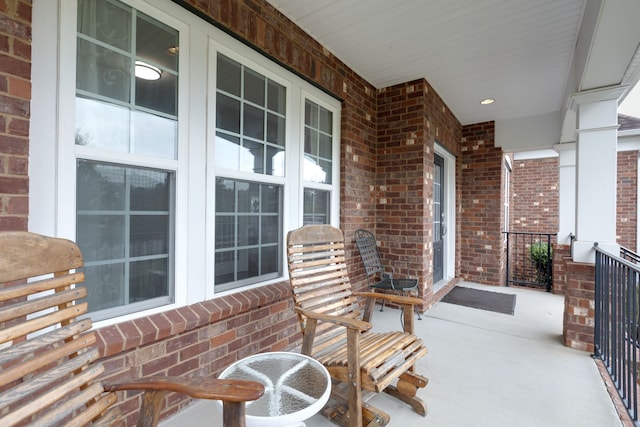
{"x": 336, "y": 328}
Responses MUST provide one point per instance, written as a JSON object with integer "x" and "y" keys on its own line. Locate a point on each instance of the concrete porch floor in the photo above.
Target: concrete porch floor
{"x": 486, "y": 369}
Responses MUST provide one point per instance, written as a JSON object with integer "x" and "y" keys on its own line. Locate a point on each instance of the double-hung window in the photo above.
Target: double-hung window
{"x": 126, "y": 150}
{"x": 182, "y": 156}
{"x": 250, "y": 145}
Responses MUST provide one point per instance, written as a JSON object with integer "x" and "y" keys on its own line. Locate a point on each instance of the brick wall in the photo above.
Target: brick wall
{"x": 411, "y": 118}
{"x": 198, "y": 340}
{"x": 534, "y": 206}
{"x": 15, "y": 94}
{"x": 627, "y": 199}
{"x": 481, "y": 206}
{"x": 579, "y": 304}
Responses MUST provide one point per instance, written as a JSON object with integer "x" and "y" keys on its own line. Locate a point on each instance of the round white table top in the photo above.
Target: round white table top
{"x": 296, "y": 387}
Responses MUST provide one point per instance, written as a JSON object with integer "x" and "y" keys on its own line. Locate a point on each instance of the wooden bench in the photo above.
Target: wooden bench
{"x": 47, "y": 372}
{"x": 336, "y": 331}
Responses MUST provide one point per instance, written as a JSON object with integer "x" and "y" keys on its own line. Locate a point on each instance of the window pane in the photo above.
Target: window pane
{"x": 243, "y": 235}
{"x": 325, "y": 120}
{"x": 225, "y": 231}
{"x": 225, "y": 267}
{"x": 316, "y": 206}
{"x": 318, "y": 143}
{"x": 102, "y": 236}
{"x": 275, "y": 161}
{"x": 247, "y": 263}
{"x": 156, "y": 43}
{"x": 227, "y": 151}
{"x": 269, "y": 229}
{"x": 228, "y": 113}
{"x": 225, "y": 195}
{"x": 270, "y": 199}
{"x": 99, "y": 124}
{"x": 253, "y": 87}
{"x": 228, "y": 75}
{"x": 105, "y": 21}
{"x": 275, "y": 129}
{"x": 276, "y": 97}
{"x": 248, "y": 231}
{"x": 155, "y": 136}
{"x": 149, "y": 279}
{"x": 248, "y": 197}
{"x": 158, "y": 95}
{"x": 124, "y": 227}
{"x": 253, "y": 122}
{"x": 269, "y": 260}
{"x": 100, "y": 187}
{"x": 252, "y": 157}
{"x": 103, "y": 72}
{"x": 105, "y": 284}
{"x": 149, "y": 234}
{"x": 324, "y": 146}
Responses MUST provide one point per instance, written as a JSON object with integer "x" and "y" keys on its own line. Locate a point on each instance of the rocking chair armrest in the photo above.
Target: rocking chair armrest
{"x": 397, "y": 299}
{"x": 227, "y": 390}
{"x": 348, "y": 322}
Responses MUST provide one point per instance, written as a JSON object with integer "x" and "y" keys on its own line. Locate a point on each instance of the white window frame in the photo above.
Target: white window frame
{"x": 53, "y": 154}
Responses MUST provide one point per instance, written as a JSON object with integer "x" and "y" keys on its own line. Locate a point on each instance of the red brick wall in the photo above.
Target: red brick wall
{"x": 198, "y": 340}
{"x": 534, "y": 206}
{"x": 15, "y": 94}
{"x": 627, "y": 200}
{"x": 411, "y": 117}
{"x": 579, "y": 304}
{"x": 481, "y": 206}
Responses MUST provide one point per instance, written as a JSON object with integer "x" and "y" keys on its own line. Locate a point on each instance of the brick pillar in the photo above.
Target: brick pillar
{"x": 579, "y": 305}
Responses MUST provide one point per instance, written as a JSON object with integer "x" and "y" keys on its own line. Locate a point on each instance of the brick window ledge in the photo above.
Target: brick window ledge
{"x": 120, "y": 337}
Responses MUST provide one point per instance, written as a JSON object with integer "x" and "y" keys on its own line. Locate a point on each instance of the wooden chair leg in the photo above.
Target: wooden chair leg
{"x": 233, "y": 414}
{"x": 150, "y": 411}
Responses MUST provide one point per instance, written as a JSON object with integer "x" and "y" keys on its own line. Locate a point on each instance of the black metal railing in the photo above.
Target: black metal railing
{"x": 530, "y": 259}
{"x": 616, "y": 339}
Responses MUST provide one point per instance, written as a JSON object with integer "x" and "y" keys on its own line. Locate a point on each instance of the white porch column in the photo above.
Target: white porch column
{"x": 566, "y": 192}
{"x": 596, "y": 170}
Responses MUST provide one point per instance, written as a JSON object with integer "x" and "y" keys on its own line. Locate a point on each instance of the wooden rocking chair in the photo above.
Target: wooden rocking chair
{"x": 337, "y": 333}
{"x": 47, "y": 374}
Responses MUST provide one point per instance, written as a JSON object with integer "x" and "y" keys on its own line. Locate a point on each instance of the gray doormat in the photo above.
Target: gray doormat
{"x": 483, "y": 300}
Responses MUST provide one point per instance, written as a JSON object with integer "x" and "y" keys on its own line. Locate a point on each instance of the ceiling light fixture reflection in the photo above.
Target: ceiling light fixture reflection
{"x": 147, "y": 72}
{"x": 487, "y": 101}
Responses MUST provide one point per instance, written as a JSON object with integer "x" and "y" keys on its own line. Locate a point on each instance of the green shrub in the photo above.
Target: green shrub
{"x": 541, "y": 256}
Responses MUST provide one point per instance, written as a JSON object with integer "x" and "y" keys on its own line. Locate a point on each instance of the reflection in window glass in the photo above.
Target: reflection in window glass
{"x": 317, "y": 164}
{"x": 316, "y": 206}
{"x": 106, "y": 76}
{"x": 318, "y": 137}
{"x": 124, "y": 229}
{"x": 248, "y": 228}
{"x": 250, "y": 112}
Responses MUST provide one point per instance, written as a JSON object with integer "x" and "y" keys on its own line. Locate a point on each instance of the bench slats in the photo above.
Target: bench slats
{"x": 39, "y": 323}
{"x": 42, "y": 303}
{"x": 20, "y": 351}
{"x": 48, "y": 284}
{"x": 44, "y": 400}
{"x": 48, "y": 374}
{"x": 47, "y": 379}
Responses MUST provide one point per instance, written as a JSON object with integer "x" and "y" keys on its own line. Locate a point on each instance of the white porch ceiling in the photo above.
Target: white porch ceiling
{"x": 519, "y": 52}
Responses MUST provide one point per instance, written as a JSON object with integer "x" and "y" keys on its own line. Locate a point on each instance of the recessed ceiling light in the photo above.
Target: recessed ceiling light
{"x": 487, "y": 101}
{"x": 147, "y": 72}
